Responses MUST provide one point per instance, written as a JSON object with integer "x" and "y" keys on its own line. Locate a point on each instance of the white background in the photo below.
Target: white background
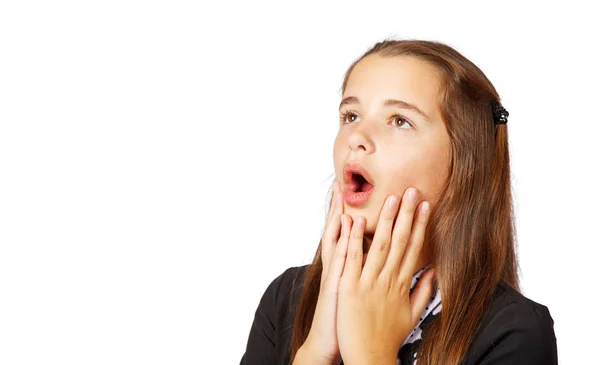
{"x": 162, "y": 161}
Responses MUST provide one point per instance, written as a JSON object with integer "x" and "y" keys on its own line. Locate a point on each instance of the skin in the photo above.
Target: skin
{"x": 365, "y": 310}
{"x": 399, "y": 147}
{"x": 376, "y": 310}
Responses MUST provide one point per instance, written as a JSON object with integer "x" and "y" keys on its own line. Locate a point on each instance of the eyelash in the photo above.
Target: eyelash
{"x": 349, "y": 112}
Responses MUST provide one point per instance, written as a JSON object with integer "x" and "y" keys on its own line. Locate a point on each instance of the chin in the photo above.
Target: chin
{"x": 370, "y": 228}
{"x": 354, "y": 213}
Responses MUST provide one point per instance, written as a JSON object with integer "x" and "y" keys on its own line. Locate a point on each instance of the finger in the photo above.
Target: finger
{"x": 401, "y": 233}
{"x": 415, "y": 244}
{"x": 354, "y": 258}
{"x": 421, "y": 294}
{"x": 333, "y": 199}
{"x": 339, "y": 258}
{"x": 332, "y": 202}
{"x": 380, "y": 247}
{"x": 332, "y": 228}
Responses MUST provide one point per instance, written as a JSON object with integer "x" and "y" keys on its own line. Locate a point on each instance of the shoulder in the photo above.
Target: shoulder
{"x": 271, "y": 330}
{"x": 515, "y": 330}
{"x": 283, "y": 293}
{"x": 288, "y": 281}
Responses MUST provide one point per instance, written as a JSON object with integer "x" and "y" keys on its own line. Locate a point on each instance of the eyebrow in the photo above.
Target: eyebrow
{"x": 389, "y": 102}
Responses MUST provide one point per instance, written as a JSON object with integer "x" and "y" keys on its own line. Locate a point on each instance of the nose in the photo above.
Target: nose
{"x": 360, "y": 140}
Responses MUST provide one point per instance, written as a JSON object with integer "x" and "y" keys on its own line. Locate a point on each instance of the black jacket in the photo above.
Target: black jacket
{"x": 515, "y": 330}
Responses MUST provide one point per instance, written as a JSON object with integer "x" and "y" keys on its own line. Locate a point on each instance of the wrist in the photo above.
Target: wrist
{"x": 305, "y": 356}
{"x": 373, "y": 360}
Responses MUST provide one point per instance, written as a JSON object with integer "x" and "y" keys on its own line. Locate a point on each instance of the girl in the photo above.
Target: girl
{"x": 417, "y": 261}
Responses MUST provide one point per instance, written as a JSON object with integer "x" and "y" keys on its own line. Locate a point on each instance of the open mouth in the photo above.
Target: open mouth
{"x": 359, "y": 183}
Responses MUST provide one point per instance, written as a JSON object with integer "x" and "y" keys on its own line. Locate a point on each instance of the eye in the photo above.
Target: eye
{"x": 401, "y": 120}
{"x": 344, "y": 116}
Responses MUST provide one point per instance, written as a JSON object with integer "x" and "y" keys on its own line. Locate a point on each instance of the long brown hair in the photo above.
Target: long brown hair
{"x": 471, "y": 240}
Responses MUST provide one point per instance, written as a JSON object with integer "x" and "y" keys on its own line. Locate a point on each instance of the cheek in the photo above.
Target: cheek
{"x": 426, "y": 171}
{"x": 403, "y": 171}
{"x": 434, "y": 172}
{"x": 338, "y": 156}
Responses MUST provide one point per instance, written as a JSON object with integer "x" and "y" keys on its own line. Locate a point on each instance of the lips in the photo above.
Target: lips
{"x": 355, "y": 175}
{"x": 358, "y": 184}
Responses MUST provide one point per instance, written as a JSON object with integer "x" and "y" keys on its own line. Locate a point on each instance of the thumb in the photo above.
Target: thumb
{"x": 421, "y": 294}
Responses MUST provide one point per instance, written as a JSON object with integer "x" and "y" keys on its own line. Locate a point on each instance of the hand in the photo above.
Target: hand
{"x": 321, "y": 344}
{"x": 376, "y": 311}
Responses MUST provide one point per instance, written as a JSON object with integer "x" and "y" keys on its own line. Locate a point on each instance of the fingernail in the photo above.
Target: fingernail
{"x": 360, "y": 222}
{"x": 392, "y": 201}
{"x": 412, "y": 194}
{"x": 425, "y": 207}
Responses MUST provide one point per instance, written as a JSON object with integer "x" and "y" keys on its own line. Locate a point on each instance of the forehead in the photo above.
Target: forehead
{"x": 407, "y": 78}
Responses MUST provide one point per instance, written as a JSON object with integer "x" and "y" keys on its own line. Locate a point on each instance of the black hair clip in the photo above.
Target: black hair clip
{"x": 500, "y": 114}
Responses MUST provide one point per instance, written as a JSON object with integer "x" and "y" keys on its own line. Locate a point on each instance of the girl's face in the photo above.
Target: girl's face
{"x": 393, "y": 129}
